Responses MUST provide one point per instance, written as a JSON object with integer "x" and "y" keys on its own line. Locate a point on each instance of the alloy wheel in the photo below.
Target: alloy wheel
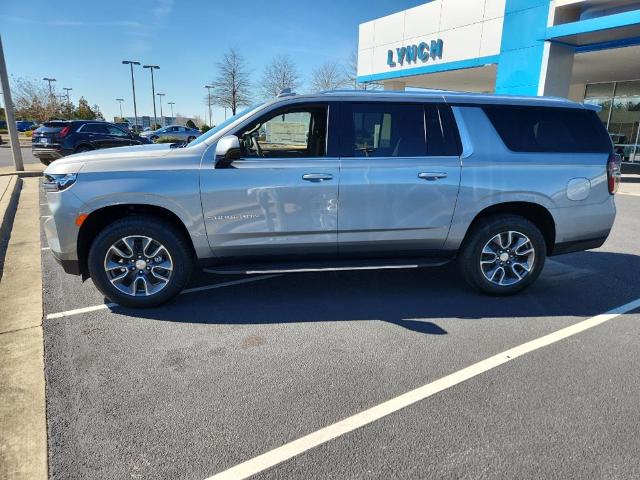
{"x": 507, "y": 258}
{"x": 138, "y": 265}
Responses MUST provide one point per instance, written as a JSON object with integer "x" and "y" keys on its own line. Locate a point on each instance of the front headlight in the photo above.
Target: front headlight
{"x": 56, "y": 182}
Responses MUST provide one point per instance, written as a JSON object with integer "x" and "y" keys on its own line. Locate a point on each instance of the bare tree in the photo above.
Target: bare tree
{"x": 33, "y": 100}
{"x": 328, "y": 76}
{"x": 231, "y": 86}
{"x": 279, "y": 74}
{"x": 352, "y": 74}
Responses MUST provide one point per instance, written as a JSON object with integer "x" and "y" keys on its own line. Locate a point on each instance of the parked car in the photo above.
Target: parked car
{"x": 24, "y": 125}
{"x": 173, "y": 131}
{"x": 496, "y": 183}
{"x": 3, "y": 124}
{"x": 60, "y": 138}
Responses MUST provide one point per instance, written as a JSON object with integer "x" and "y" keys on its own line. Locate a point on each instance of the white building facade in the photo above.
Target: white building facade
{"x": 585, "y": 50}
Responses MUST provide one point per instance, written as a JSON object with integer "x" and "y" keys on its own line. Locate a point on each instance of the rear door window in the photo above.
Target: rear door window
{"x": 95, "y": 128}
{"x": 551, "y": 130}
{"x": 383, "y": 129}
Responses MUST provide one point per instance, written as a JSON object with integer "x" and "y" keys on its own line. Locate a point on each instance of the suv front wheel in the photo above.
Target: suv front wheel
{"x": 140, "y": 261}
{"x": 502, "y": 255}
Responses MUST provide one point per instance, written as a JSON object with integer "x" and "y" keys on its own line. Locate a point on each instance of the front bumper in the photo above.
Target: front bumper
{"x": 61, "y": 230}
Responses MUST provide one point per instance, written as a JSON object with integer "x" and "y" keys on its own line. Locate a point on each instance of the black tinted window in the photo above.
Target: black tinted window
{"x": 383, "y": 130}
{"x": 442, "y": 131}
{"x": 95, "y": 128}
{"x": 560, "y": 130}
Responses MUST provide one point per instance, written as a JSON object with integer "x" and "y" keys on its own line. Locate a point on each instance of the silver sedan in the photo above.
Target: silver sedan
{"x": 173, "y": 131}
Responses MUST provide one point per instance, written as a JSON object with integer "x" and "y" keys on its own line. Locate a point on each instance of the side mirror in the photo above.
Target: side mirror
{"x": 227, "y": 150}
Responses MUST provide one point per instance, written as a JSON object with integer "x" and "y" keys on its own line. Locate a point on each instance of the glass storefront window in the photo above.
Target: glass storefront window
{"x": 600, "y": 94}
{"x": 625, "y": 119}
{"x": 620, "y": 102}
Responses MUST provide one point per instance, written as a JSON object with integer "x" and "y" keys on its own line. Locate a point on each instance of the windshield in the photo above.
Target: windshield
{"x": 224, "y": 125}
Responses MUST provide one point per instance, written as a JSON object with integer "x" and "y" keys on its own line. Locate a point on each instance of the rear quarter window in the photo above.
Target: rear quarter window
{"x": 549, "y": 130}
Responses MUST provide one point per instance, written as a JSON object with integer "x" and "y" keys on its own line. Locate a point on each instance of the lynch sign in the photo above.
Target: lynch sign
{"x": 413, "y": 53}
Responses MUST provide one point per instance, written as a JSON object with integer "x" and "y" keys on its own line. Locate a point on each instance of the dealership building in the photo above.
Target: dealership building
{"x": 585, "y": 50}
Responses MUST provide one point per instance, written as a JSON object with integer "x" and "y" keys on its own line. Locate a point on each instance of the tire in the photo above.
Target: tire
{"x": 130, "y": 291}
{"x": 190, "y": 139}
{"x": 83, "y": 148}
{"x": 153, "y": 138}
{"x": 45, "y": 162}
{"x": 488, "y": 277}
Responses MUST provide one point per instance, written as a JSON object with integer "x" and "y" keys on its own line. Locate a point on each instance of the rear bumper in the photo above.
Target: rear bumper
{"x": 578, "y": 245}
{"x": 48, "y": 153}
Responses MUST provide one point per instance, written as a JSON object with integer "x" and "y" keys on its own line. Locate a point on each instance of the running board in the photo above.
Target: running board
{"x": 335, "y": 266}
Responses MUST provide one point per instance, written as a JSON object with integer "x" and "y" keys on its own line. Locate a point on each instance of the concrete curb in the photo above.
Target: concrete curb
{"x": 8, "y": 203}
{"x": 23, "y": 173}
{"x": 23, "y": 436}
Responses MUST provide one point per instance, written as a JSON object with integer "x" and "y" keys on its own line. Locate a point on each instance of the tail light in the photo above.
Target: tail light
{"x": 64, "y": 131}
{"x": 613, "y": 173}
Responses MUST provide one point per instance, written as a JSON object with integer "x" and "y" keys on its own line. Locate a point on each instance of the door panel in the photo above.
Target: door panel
{"x": 281, "y": 197}
{"x": 265, "y": 207}
{"x": 387, "y": 208}
{"x": 399, "y": 178}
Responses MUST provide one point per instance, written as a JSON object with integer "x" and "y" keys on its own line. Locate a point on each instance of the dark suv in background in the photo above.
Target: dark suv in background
{"x": 57, "y": 139}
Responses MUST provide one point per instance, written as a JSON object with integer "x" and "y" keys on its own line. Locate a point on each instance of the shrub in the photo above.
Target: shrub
{"x": 204, "y": 128}
{"x": 4, "y": 130}
{"x": 28, "y": 133}
{"x": 190, "y": 124}
{"x": 169, "y": 140}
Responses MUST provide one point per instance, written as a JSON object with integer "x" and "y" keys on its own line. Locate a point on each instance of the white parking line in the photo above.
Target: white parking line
{"x": 629, "y": 194}
{"x": 45, "y": 248}
{"x": 45, "y": 216}
{"x": 301, "y": 445}
{"x": 102, "y": 306}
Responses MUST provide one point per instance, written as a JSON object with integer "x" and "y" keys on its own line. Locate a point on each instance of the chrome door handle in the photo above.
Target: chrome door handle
{"x": 432, "y": 175}
{"x": 317, "y": 177}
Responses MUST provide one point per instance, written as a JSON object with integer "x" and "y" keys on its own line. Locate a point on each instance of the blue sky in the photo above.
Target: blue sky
{"x": 81, "y": 43}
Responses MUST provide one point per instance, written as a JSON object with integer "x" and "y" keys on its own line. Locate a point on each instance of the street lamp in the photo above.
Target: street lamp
{"x": 209, "y": 87}
{"x": 172, "y": 104}
{"x": 120, "y": 100}
{"x": 50, "y": 80}
{"x": 153, "y": 90}
{"x": 131, "y": 63}
{"x": 161, "y": 114}
{"x": 66, "y": 89}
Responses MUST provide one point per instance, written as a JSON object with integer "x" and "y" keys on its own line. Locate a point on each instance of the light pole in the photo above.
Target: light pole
{"x": 172, "y": 104}
{"x": 131, "y": 63}
{"x": 153, "y": 90}
{"x": 66, "y": 89}
{"x": 120, "y": 100}
{"x": 161, "y": 114}
{"x": 8, "y": 112}
{"x": 50, "y": 80}
{"x": 209, "y": 87}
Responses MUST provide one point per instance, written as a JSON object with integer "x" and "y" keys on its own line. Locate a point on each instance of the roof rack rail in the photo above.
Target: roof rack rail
{"x": 285, "y": 92}
{"x": 392, "y": 92}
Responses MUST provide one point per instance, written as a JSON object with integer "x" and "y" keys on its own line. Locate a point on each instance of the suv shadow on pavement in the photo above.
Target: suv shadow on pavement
{"x": 570, "y": 285}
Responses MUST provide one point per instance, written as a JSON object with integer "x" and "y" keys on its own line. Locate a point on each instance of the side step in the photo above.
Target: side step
{"x": 327, "y": 266}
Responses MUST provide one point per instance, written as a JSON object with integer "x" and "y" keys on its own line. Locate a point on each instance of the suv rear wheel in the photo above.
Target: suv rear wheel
{"x": 140, "y": 261}
{"x": 502, "y": 255}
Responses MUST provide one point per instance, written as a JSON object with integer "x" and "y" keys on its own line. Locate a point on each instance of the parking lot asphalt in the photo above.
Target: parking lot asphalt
{"x": 6, "y": 158}
{"x": 224, "y": 374}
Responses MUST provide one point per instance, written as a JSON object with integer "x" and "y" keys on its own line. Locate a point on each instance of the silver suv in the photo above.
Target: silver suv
{"x": 341, "y": 180}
